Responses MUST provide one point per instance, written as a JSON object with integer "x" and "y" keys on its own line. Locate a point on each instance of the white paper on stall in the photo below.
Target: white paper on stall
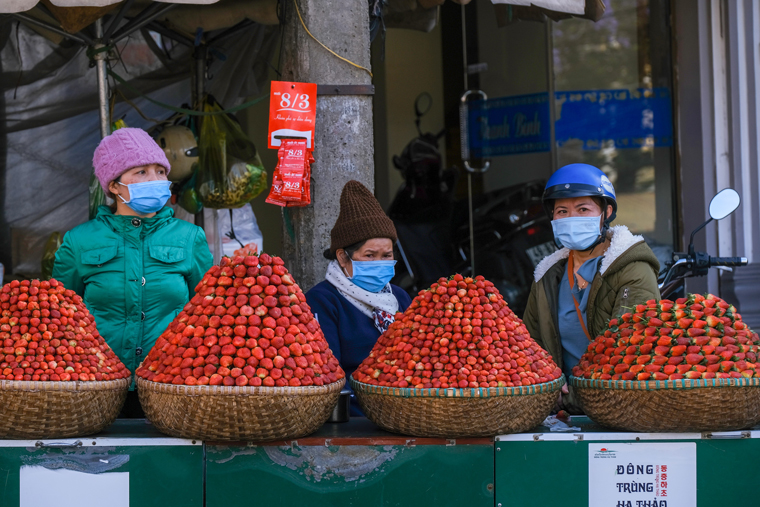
{"x": 67, "y": 488}
{"x": 635, "y": 474}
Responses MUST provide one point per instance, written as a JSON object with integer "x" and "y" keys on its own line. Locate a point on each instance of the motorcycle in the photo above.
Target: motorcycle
{"x": 512, "y": 235}
{"x": 421, "y": 210}
{"x": 511, "y": 230}
{"x": 693, "y": 263}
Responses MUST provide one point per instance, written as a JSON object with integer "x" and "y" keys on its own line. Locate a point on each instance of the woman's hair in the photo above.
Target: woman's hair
{"x": 350, "y": 251}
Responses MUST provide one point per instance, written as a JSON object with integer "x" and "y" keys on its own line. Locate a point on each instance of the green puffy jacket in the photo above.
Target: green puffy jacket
{"x": 627, "y": 276}
{"x": 135, "y": 275}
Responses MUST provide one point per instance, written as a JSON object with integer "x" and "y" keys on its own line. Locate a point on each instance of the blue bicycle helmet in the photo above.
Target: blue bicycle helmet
{"x": 579, "y": 180}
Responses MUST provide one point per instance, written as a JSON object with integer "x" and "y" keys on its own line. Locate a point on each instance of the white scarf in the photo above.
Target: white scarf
{"x": 365, "y": 301}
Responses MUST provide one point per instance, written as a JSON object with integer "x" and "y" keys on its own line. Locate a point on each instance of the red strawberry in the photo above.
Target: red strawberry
{"x": 684, "y": 323}
{"x": 694, "y": 358}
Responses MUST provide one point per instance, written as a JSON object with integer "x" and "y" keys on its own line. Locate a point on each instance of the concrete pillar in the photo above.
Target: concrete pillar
{"x": 344, "y": 136}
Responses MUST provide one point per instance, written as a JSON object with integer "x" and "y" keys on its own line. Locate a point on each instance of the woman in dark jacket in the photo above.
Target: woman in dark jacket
{"x": 356, "y": 303}
{"x": 135, "y": 265}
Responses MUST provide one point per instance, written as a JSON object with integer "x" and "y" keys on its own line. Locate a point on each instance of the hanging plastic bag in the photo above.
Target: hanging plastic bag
{"x": 187, "y": 196}
{"x": 239, "y": 231}
{"x": 230, "y": 173}
{"x": 97, "y": 196}
{"x": 48, "y": 255}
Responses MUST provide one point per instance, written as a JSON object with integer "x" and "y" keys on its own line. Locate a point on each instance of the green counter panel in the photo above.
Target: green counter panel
{"x": 163, "y": 471}
{"x": 353, "y": 464}
{"x": 540, "y": 469}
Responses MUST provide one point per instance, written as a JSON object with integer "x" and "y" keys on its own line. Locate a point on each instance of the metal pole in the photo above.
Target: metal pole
{"x": 552, "y": 95}
{"x": 469, "y": 173}
{"x": 472, "y": 226}
{"x": 145, "y": 17}
{"x": 100, "y": 65}
{"x": 80, "y": 38}
{"x": 199, "y": 89}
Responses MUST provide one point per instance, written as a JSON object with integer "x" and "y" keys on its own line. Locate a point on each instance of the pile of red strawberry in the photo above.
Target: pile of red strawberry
{"x": 49, "y": 335}
{"x": 459, "y": 333}
{"x": 248, "y": 324}
{"x": 692, "y": 338}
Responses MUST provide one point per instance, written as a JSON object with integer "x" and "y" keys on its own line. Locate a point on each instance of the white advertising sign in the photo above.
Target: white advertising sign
{"x": 67, "y": 488}
{"x": 642, "y": 474}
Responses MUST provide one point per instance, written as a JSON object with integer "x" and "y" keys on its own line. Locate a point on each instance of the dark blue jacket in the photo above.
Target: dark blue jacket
{"x": 350, "y": 334}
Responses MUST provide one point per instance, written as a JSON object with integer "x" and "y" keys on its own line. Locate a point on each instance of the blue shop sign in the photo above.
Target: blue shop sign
{"x": 627, "y": 118}
{"x": 520, "y": 124}
{"x": 509, "y": 125}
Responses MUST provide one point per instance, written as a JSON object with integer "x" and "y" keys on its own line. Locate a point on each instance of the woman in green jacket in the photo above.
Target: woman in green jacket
{"x": 597, "y": 274}
{"x": 135, "y": 265}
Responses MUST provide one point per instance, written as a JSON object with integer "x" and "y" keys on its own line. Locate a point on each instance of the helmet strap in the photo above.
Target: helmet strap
{"x": 602, "y": 233}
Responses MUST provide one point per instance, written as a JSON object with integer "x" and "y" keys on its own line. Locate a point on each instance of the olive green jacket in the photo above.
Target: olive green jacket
{"x": 627, "y": 276}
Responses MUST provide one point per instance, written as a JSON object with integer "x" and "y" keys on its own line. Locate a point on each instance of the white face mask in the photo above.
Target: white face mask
{"x": 577, "y": 233}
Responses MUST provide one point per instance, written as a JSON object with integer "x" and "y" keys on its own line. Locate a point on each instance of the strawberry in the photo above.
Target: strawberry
{"x": 702, "y": 336}
{"x": 231, "y": 336}
{"x": 488, "y": 342}
{"x": 43, "y": 316}
{"x": 684, "y": 323}
{"x": 694, "y": 358}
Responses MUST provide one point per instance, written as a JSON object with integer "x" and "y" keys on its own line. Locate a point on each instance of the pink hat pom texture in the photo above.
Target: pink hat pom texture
{"x": 121, "y": 151}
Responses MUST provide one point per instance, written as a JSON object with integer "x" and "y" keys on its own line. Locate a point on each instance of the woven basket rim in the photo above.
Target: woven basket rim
{"x": 450, "y": 392}
{"x": 654, "y": 385}
{"x": 196, "y": 390}
{"x": 72, "y": 385}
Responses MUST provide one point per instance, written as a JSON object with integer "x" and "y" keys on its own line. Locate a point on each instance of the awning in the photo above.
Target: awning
{"x": 178, "y": 19}
{"x": 508, "y": 11}
{"x": 9, "y": 6}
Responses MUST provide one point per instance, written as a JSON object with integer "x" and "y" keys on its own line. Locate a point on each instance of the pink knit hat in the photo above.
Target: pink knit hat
{"x": 121, "y": 151}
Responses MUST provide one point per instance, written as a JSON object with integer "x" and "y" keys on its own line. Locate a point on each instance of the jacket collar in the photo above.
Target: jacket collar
{"x": 123, "y": 223}
{"x": 621, "y": 240}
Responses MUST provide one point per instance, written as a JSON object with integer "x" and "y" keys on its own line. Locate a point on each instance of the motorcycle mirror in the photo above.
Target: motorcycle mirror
{"x": 422, "y": 104}
{"x": 724, "y": 203}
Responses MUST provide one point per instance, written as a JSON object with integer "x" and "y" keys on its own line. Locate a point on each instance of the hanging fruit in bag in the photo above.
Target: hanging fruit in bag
{"x": 230, "y": 173}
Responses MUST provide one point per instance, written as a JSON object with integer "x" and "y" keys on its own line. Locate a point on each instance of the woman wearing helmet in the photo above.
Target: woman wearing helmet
{"x": 597, "y": 272}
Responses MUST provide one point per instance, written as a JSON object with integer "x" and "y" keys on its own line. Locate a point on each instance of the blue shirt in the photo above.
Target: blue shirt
{"x": 350, "y": 334}
{"x": 574, "y": 340}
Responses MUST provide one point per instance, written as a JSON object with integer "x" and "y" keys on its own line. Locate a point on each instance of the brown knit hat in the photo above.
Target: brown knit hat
{"x": 360, "y": 218}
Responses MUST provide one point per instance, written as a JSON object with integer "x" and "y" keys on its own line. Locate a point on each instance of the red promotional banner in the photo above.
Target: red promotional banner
{"x": 292, "y": 112}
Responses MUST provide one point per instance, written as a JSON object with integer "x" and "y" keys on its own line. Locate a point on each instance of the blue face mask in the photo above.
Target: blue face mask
{"x": 577, "y": 233}
{"x": 372, "y": 276}
{"x": 148, "y": 196}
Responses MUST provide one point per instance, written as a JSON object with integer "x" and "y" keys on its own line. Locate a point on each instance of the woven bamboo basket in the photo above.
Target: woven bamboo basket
{"x": 252, "y": 414}
{"x": 37, "y": 410}
{"x": 457, "y": 413}
{"x": 671, "y": 405}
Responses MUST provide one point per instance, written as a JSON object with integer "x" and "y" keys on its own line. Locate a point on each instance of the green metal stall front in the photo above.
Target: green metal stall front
{"x": 349, "y": 464}
{"x": 597, "y": 467}
{"x": 356, "y": 463}
{"x": 128, "y": 464}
